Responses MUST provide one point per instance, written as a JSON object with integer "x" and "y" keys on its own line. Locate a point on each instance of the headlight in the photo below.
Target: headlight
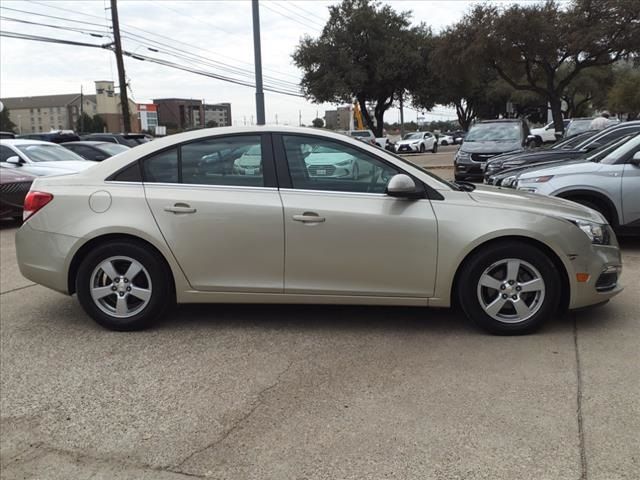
{"x": 493, "y": 166}
{"x": 509, "y": 181}
{"x": 416, "y": 143}
{"x": 463, "y": 155}
{"x": 542, "y": 179}
{"x": 597, "y": 233}
{"x": 344, "y": 163}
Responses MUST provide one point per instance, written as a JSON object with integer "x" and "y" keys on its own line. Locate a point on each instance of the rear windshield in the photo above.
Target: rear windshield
{"x": 48, "y": 153}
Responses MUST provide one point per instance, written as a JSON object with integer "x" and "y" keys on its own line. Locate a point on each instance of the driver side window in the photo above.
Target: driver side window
{"x": 319, "y": 164}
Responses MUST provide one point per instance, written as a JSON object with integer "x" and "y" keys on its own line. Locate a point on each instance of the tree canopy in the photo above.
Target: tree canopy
{"x": 6, "y": 125}
{"x": 367, "y": 52}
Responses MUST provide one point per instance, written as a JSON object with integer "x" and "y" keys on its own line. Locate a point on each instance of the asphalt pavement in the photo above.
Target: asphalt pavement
{"x": 315, "y": 392}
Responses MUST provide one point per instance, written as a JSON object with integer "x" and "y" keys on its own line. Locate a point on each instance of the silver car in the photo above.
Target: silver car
{"x": 36, "y": 157}
{"x": 611, "y": 185}
{"x": 158, "y": 225}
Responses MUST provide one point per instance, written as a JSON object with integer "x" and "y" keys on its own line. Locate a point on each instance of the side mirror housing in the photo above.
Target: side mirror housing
{"x": 635, "y": 160}
{"x": 15, "y": 160}
{"x": 402, "y": 186}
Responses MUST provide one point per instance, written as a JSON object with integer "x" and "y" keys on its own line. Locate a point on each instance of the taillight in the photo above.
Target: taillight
{"x": 33, "y": 202}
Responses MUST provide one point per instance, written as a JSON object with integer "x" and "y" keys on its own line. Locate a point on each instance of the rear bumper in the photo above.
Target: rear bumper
{"x": 42, "y": 256}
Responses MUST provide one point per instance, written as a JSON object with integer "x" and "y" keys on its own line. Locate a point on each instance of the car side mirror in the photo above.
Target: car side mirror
{"x": 402, "y": 186}
{"x": 15, "y": 160}
{"x": 635, "y": 160}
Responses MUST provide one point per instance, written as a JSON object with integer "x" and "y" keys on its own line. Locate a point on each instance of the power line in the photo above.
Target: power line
{"x": 174, "y": 65}
{"x": 285, "y": 6}
{"x": 290, "y": 17}
{"x": 88, "y": 31}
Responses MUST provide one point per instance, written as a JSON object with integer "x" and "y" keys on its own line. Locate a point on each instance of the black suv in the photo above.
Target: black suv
{"x": 485, "y": 140}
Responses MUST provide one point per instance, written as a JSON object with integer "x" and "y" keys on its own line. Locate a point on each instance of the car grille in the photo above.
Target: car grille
{"x": 321, "y": 170}
{"x": 17, "y": 187}
{"x": 607, "y": 281}
{"x": 482, "y": 157}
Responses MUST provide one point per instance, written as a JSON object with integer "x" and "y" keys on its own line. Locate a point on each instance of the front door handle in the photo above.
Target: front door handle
{"x": 309, "y": 217}
{"x": 180, "y": 208}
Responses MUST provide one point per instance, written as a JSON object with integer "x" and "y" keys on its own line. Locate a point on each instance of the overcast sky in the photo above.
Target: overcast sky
{"x": 216, "y": 32}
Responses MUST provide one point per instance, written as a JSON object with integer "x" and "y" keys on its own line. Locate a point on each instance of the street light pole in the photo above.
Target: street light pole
{"x": 258, "y": 62}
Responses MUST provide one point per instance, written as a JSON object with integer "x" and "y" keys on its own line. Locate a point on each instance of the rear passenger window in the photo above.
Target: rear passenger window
{"x": 161, "y": 167}
{"x": 223, "y": 161}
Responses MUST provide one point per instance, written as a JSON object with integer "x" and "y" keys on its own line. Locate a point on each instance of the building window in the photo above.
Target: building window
{"x": 38, "y": 110}
{"x": 39, "y": 120}
{"x": 31, "y": 110}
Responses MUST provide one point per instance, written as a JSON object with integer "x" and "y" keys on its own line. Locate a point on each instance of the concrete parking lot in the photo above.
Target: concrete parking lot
{"x": 315, "y": 392}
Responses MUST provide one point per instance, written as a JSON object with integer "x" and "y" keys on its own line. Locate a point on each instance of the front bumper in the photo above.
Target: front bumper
{"x": 407, "y": 148}
{"x": 468, "y": 171}
{"x": 603, "y": 266}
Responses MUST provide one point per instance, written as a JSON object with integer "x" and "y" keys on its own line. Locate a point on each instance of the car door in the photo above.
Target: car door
{"x": 631, "y": 191}
{"x": 344, "y": 235}
{"x": 222, "y": 220}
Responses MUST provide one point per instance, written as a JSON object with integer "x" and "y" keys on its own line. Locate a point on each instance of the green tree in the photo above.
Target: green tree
{"x": 544, "y": 47}
{"x": 84, "y": 123}
{"x": 367, "y": 52}
{"x": 6, "y": 125}
{"x": 98, "y": 124}
{"x": 317, "y": 123}
{"x": 624, "y": 96}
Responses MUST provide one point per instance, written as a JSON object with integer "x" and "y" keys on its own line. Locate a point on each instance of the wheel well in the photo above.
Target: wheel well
{"x": 595, "y": 198}
{"x": 94, "y": 242}
{"x": 564, "y": 277}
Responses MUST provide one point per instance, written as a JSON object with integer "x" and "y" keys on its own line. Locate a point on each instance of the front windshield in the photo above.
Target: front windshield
{"x": 494, "y": 132}
{"x": 602, "y": 151}
{"x": 571, "y": 142}
{"x": 48, "y": 153}
{"x": 631, "y": 145}
{"x": 578, "y": 126}
{"x": 113, "y": 148}
{"x": 412, "y": 136}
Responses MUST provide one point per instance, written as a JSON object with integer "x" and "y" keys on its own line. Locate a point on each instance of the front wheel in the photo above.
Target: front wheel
{"x": 434, "y": 149}
{"x": 509, "y": 288}
{"x": 124, "y": 286}
{"x": 422, "y": 149}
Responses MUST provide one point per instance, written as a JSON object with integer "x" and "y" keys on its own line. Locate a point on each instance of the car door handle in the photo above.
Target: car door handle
{"x": 180, "y": 208}
{"x": 309, "y": 217}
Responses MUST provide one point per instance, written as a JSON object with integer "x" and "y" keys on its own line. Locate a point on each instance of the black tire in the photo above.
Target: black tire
{"x": 422, "y": 149}
{"x": 594, "y": 205}
{"x": 434, "y": 149}
{"x": 445, "y": 143}
{"x": 469, "y": 290}
{"x": 161, "y": 297}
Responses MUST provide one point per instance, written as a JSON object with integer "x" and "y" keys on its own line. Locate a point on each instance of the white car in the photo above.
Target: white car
{"x": 445, "y": 140}
{"x": 417, "y": 142}
{"x": 365, "y": 136}
{"x": 610, "y": 186}
{"x": 36, "y": 157}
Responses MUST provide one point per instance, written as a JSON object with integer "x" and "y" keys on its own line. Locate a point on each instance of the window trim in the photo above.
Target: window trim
{"x": 268, "y": 167}
{"x": 284, "y": 175}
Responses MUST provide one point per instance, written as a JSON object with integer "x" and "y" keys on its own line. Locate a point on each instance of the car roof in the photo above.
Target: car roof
{"x": 85, "y": 142}
{"x": 24, "y": 141}
{"x": 501, "y": 120}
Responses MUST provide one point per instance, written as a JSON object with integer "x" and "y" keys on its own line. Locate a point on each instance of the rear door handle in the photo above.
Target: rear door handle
{"x": 309, "y": 217}
{"x": 180, "y": 208}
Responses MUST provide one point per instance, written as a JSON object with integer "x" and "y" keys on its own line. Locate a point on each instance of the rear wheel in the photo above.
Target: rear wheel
{"x": 124, "y": 286}
{"x": 509, "y": 288}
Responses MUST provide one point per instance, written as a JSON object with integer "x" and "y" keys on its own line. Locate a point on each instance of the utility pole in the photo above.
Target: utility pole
{"x": 258, "y": 62}
{"x": 401, "y": 117}
{"x": 299, "y": 118}
{"x": 81, "y": 110}
{"x": 276, "y": 118}
{"x": 124, "y": 100}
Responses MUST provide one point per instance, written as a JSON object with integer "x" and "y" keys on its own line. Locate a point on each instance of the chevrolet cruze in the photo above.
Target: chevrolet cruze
{"x": 174, "y": 220}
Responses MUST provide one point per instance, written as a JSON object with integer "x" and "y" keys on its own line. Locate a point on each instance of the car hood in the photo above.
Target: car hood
{"x": 56, "y": 167}
{"x": 408, "y": 142}
{"x": 572, "y": 168}
{"x": 536, "y": 167}
{"x": 530, "y": 202}
{"x": 490, "y": 147}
